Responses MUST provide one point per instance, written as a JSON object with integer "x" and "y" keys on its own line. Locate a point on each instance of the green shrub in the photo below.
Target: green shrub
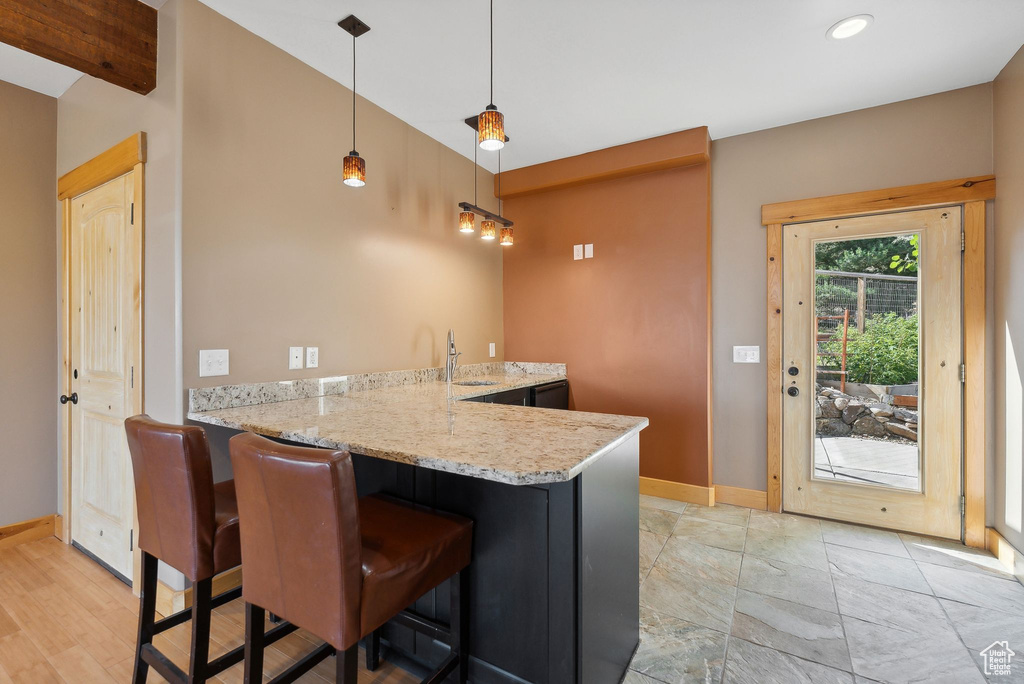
{"x": 884, "y": 354}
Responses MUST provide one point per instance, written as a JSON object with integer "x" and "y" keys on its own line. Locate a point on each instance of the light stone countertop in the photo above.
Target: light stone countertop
{"x": 417, "y": 423}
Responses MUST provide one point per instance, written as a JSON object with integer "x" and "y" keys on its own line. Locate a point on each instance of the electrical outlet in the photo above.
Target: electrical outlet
{"x": 312, "y": 357}
{"x": 294, "y": 358}
{"x": 491, "y": 350}
{"x": 577, "y": 252}
{"x": 213, "y": 362}
{"x": 588, "y": 251}
{"x": 746, "y": 355}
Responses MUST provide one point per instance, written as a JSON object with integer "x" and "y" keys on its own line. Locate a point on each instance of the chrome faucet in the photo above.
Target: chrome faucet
{"x": 453, "y": 358}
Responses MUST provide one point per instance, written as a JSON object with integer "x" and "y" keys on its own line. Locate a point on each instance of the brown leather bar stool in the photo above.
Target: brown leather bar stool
{"x": 189, "y": 523}
{"x": 338, "y": 565}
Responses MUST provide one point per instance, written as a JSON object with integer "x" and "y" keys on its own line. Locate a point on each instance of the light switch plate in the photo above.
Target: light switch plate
{"x": 294, "y": 358}
{"x": 312, "y": 357}
{"x": 213, "y": 362}
{"x": 490, "y": 349}
{"x": 746, "y": 355}
{"x": 588, "y": 251}
{"x": 577, "y": 252}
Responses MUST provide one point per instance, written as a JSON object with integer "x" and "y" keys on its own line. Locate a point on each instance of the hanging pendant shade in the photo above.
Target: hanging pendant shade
{"x": 487, "y": 231}
{"x": 491, "y": 125}
{"x": 354, "y": 173}
{"x": 506, "y": 237}
{"x": 467, "y": 222}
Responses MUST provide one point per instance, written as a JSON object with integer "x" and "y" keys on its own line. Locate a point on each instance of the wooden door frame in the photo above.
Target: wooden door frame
{"x": 971, "y": 194}
{"x": 125, "y": 157}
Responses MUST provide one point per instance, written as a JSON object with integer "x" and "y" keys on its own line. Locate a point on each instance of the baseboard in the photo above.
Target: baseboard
{"x": 170, "y": 601}
{"x": 738, "y": 496}
{"x": 1011, "y": 558}
{"x": 27, "y": 531}
{"x": 679, "y": 491}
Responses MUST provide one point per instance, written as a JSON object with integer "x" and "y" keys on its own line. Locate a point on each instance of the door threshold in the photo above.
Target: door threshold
{"x": 103, "y": 565}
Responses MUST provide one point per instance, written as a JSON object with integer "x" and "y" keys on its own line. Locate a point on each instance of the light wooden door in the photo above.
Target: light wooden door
{"x": 104, "y": 332}
{"x": 918, "y": 490}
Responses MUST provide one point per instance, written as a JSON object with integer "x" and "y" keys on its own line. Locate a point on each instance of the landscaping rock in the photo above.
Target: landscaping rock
{"x": 833, "y": 427}
{"x": 866, "y": 425}
{"x": 883, "y": 412}
{"x": 841, "y": 403}
{"x": 828, "y": 409}
{"x": 905, "y": 415}
{"x": 912, "y": 426}
{"x": 901, "y": 430}
{"x": 852, "y": 412}
{"x": 881, "y": 419}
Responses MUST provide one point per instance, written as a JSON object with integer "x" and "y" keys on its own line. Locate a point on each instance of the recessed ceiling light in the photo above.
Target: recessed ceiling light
{"x": 849, "y": 27}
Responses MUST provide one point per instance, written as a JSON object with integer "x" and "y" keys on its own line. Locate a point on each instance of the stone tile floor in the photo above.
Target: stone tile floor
{"x": 868, "y": 461}
{"x": 728, "y": 594}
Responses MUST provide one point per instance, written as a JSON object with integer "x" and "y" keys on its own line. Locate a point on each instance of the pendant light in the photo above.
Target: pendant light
{"x": 487, "y": 229}
{"x": 467, "y": 217}
{"x": 354, "y": 169}
{"x": 491, "y": 122}
{"x": 506, "y": 231}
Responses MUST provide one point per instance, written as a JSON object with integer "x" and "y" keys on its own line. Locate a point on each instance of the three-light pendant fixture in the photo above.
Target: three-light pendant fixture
{"x": 490, "y": 136}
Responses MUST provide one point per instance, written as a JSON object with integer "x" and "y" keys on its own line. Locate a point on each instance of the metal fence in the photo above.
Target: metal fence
{"x": 863, "y": 295}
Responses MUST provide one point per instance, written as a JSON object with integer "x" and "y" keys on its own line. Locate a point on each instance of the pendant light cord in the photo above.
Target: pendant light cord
{"x": 492, "y": 52}
{"x": 353, "y": 92}
{"x": 476, "y": 170}
{"x": 499, "y": 182}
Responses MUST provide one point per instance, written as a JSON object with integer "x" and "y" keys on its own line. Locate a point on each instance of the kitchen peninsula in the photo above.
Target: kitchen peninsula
{"x": 552, "y": 493}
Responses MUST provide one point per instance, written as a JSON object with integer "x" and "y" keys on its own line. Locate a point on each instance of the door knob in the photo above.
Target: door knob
{"x": 793, "y": 370}
{"x": 73, "y": 398}
{"x": 792, "y": 391}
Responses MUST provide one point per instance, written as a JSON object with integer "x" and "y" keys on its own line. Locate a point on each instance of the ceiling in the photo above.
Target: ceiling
{"x": 578, "y": 75}
{"x": 35, "y": 73}
{"x": 573, "y": 76}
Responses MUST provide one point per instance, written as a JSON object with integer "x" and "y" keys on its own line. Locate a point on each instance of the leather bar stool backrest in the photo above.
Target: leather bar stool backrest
{"x": 301, "y": 545}
{"x": 175, "y": 494}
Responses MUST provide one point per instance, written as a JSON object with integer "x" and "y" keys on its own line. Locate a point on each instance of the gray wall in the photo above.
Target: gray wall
{"x": 1007, "y": 496}
{"x": 932, "y": 138}
{"x": 28, "y": 305}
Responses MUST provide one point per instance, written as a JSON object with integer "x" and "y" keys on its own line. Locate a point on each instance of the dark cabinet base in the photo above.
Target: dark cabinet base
{"x": 554, "y": 594}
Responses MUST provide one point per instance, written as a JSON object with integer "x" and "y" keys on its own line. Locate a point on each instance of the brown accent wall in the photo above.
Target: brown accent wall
{"x": 1006, "y": 496}
{"x": 277, "y": 252}
{"x": 631, "y": 323}
{"x": 28, "y": 305}
{"x": 934, "y": 138}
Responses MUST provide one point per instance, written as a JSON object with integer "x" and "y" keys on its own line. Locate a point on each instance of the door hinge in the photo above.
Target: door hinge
{"x": 963, "y": 241}
{"x": 133, "y": 378}
{"x": 963, "y": 372}
{"x": 131, "y": 540}
{"x": 963, "y": 504}
{"x": 132, "y": 220}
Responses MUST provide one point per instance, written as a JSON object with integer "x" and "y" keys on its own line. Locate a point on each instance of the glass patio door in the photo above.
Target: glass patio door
{"x": 872, "y": 369}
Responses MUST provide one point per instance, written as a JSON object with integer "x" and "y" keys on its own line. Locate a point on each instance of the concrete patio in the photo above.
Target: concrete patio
{"x": 867, "y": 461}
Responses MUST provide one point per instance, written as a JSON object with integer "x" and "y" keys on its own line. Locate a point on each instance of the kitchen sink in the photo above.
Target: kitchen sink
{"x": 476, "y": 383}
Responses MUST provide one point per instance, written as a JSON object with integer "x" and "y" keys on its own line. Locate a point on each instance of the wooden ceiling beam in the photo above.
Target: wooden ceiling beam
{"x": 114, "y": 40}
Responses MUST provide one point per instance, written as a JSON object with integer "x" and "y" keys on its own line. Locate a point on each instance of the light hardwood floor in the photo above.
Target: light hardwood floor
{"x": 65, "y": 619}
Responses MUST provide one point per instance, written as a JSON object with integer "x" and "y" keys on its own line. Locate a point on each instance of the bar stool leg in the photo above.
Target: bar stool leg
{"x": 255, "y": 617}
{"x": 373, "y": 650}
{"x": 147, "y": 616}
{"x": 460, "y": 623}
{"x": 202, "y": 595}
{"x": 348, "y": 665}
